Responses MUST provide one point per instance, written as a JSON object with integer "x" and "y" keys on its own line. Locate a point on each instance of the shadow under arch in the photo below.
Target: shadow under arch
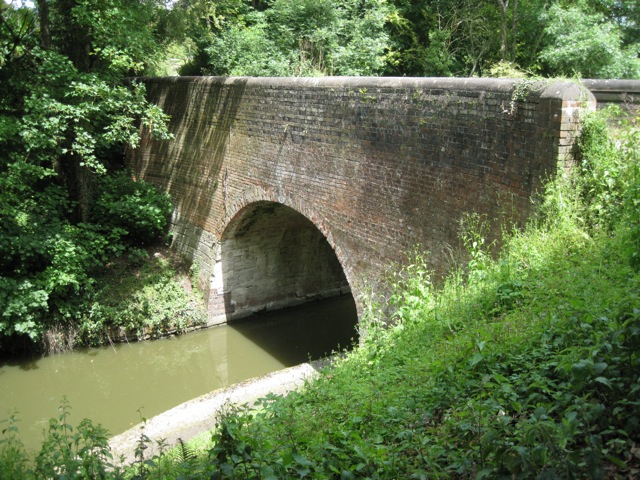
{"x": 273, "y": 257}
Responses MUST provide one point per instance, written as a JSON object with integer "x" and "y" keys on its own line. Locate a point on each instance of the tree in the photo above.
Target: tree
{"x": 445, "y": 37}
{"x": 579, "y": 43}
{"x": 65, "y": 110}
{"x": 388, "y": 37}
{"x": 292, "y": 38}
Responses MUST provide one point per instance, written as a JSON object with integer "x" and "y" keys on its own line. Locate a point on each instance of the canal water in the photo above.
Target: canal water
{"x": 118, "y": 386}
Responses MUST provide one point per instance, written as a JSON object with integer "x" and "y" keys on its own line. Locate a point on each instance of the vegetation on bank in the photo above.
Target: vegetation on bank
{"x": 524, "y": 366}
{"x": 86, "y": 284}
{"x": 68, "y": 208}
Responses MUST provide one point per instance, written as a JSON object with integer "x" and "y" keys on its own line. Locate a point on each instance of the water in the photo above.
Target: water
{"x": 118, "y": 386}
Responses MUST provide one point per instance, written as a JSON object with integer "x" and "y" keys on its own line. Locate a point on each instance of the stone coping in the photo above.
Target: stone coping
{"x": 612, "y": 85}
{"x": 445, "y": 83}
{"x": 193, "y": 417}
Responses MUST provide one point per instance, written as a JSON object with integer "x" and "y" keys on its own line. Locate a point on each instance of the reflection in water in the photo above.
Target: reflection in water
{"x": 117, "y": 386}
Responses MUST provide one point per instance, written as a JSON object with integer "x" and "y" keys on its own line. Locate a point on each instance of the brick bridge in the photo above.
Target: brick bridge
{"x": 288, "y": 190}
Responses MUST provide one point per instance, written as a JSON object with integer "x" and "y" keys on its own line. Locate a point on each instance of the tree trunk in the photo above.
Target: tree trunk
{"x": 74, "y": 38}
{"x": 85, "y": 191}
{"x": 504, "y": 5}
{"x": 514, "y": 20}
{"x": 45, "y": 30}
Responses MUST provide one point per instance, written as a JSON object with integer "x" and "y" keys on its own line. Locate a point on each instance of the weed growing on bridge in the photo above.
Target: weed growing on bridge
{"x": 521, "y": 91}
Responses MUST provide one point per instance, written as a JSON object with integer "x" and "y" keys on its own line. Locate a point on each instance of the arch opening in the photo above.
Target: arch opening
{"x": 272, "y": 257}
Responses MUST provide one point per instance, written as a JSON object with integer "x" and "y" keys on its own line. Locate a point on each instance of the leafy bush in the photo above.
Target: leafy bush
{"x": 295, "y": 38}
{"x": 133, "y": 206}
{"x": 609, "y": 182}
{"x": 60, "y": 115}
{"x": 13, "y": 457}
{"x": 45, "y": 260}
{"x": 74, "y": 455}
{"x": 66, "y": 453}
{"x": 587, "y": 45}
{"x": 245, "y": 51}
{"x": 48, "y": 262}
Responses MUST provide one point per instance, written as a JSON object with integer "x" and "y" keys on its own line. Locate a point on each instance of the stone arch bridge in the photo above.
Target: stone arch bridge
{"x": 288, "y": 190}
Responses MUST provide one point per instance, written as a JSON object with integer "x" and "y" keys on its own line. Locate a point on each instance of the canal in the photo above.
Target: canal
{"x": 119, "y": 385}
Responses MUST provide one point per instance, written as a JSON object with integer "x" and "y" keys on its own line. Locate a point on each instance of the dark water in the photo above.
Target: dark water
{"x": 117, "y": 386}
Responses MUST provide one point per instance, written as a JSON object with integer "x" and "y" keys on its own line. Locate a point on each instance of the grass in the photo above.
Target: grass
{"x": 139, "y": 295}
{"x": 522, "y": 366}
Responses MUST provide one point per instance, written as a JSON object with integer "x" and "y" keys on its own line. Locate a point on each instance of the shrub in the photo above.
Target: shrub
{"x": 70, "y": 453}
{"x": 132, "y": 205}
{"x": 13, "y": 457}
{"x": 48, "y": 261}
{"x": 45, "y": 259}
{"x": 587, "y": 45}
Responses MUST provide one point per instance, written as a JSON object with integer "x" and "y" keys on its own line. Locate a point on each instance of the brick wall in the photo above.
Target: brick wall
{"x": 289, "y": 189}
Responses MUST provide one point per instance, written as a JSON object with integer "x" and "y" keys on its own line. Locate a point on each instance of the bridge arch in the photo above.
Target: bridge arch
{"x": 272, "y": 256}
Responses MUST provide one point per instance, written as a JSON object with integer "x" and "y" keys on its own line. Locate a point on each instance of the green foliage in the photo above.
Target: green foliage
{"x": 102, "y": 24}
{"x": 437, "y": 59}
{"x": 602, "y": 173}
{"x": 49, "y": 264}
{"x": 82, "y": 452}
{"x": 65, "y": 112}
{"x": 592, "y": 38}
{"x": 504, "y": 69}
{"x": 135, "y": 207}
{"x": 44, "y": 258}
{"x": 79, "y": 454}
{"x": 610, "y": 182}
{"x": 587, "y": 45}
{"x": 294, "y": 38}
{"x": 70, "y": 114}
{"x": 240, "y": 51}
{"x": 631, "y": 157}
{"x": 60, "y": 108}
{"x": 148, "y": 302}
{"x": 13, "y": 457}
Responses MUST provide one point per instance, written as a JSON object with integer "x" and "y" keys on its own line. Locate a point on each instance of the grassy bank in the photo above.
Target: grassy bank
{"x": 524, "y": 366}
{"x": 136, "y": 299}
